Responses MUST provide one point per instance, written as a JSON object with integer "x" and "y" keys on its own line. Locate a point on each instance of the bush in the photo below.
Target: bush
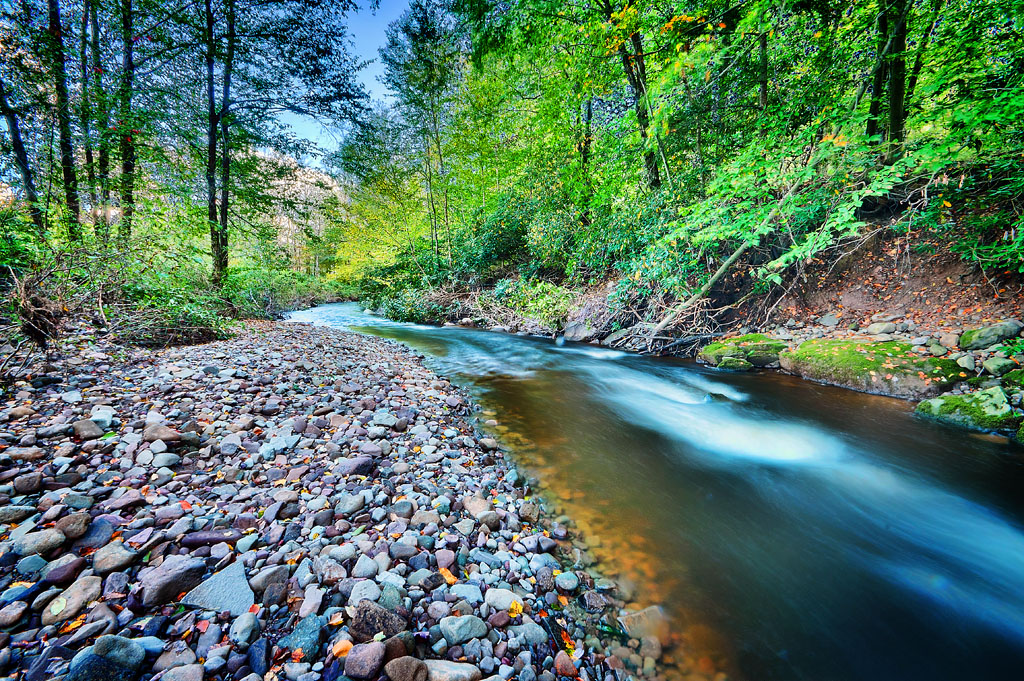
{"x": 264, "y": 294}
{"x": 411, "y": 305}
{"x": 541, "y": 300}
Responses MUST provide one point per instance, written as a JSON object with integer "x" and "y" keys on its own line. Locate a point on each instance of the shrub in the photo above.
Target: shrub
{"x": 541, "y": 300}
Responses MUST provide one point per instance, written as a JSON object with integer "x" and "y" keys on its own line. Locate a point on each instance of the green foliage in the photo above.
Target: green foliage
{"x": 19, "y": 245}
{"x": 266, "y": 293}
{"x": 537, "y": 299}
{"x": 776, "y": 131}
{"x": 981, "y": 216}
{"x": 411, "y": 305}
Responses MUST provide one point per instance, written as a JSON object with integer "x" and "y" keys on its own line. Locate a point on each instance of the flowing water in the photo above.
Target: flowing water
{"x": 793, "y": 531}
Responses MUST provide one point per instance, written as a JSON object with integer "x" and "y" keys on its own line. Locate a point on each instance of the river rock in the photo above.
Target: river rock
{"x": 123, "y": 652}
{"x": 458, "y": 630}
{"x": 87, "y": 429}
{"x": 371, "y": 619}
{"x": 72, "y": 600}
{"x": 226, "y": 590}
{"x": 997, "y": 366}
{"x": 365, "y": 660}
{"x": 406, "y": 668}
{"x": 114, "y": 556}
{"x": 979, "y": 339}
{"x": 307, "y": 635}
{"x": 244, "y": 629}
{"x": 502, "y": 599}
{"x": 443, "y": 670}
{"x": 40, "y": 542}
{"x": 15, "y": 514}
{"x": 175, "y": 575}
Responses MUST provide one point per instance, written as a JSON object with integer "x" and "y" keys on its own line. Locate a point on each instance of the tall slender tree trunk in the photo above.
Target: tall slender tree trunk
{"x": 103, "y": 123}
{"x": 585, "y": 149}
{"x": 898, "y": 78}
{"x": 124, "y": 230}
{"x": 67, "y": 156}
{"x": 432, "y": 206}
{"x": 878, "y": 80}
{"x": 762, "y": 52}
{"x": 213, "y": 121}
{"x": 922, "y": 48}
{"x": 220, "y": 262}
{"x": 85, "y": 112}
{"x": 636, "y": 75}
{"x": 21, "y": 160}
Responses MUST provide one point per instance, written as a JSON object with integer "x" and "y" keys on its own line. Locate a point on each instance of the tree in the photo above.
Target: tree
{"x": 63, "y": 104}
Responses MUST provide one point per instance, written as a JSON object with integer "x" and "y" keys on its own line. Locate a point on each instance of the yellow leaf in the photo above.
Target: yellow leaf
{"x": 947, "y": 204}
{"x": 516, "y": 609}
{"x": 448, "y": 576}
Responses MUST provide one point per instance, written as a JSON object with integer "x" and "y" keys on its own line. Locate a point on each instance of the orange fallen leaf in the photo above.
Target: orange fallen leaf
{"x": 448, "y": 576}
{"x": 341, "y": 648}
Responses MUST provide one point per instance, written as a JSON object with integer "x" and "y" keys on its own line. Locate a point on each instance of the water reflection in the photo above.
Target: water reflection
{"x": 795, "y": 531}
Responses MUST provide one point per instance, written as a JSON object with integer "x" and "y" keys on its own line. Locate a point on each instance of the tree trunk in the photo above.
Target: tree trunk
{"x": 636, "y": 75}
{"x": 898, "y": 78}
{"x": 85, "y": 112}
{"x": 67, "y": 156}
{"x": 212, "y": 120}
{"x": 220, "y": 261}
{"x": 878, "y": 81}
{"x": 585, "y": 151}
{"x": 762, "y": 95}
{"x": 103, "y": 122}
{"x": 124, "y": 230}
{"x": 915, "y": 71}
{"x": 21, "y": 159}
{"x": 634, "y": 67}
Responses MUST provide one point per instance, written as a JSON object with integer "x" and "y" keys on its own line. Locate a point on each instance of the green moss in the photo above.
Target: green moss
{"x": 735, "y": 364}
{"x": 983, "y": 410}
{"x": 888, "y": 367}
{"x": 1014, "y": 378}
{"x": 756, "y": 348}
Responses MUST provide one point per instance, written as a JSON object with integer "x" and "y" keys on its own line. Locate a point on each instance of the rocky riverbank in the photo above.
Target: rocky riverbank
{"x": 295, "y": 503}
{"x": 971, "y": 377}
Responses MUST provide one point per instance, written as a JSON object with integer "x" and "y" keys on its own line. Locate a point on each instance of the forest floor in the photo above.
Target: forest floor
{"x": 295, "y": 502}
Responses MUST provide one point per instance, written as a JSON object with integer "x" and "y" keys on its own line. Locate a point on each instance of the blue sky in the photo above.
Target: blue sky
{"x": 367, "y": 31}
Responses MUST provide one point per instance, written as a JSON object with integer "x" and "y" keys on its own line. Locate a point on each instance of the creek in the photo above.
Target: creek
{"x": 792, "y": 531}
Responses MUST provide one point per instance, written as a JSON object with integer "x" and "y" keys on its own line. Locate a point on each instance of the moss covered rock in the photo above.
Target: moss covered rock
{"x": 987, "y": 336}
{"x": 1014, "y": 379}
{"x": 755, "y": 348}
{"x": 982, "y": 410}
{"x": 888, "y": 368}
{"x": 735, "y": 364}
